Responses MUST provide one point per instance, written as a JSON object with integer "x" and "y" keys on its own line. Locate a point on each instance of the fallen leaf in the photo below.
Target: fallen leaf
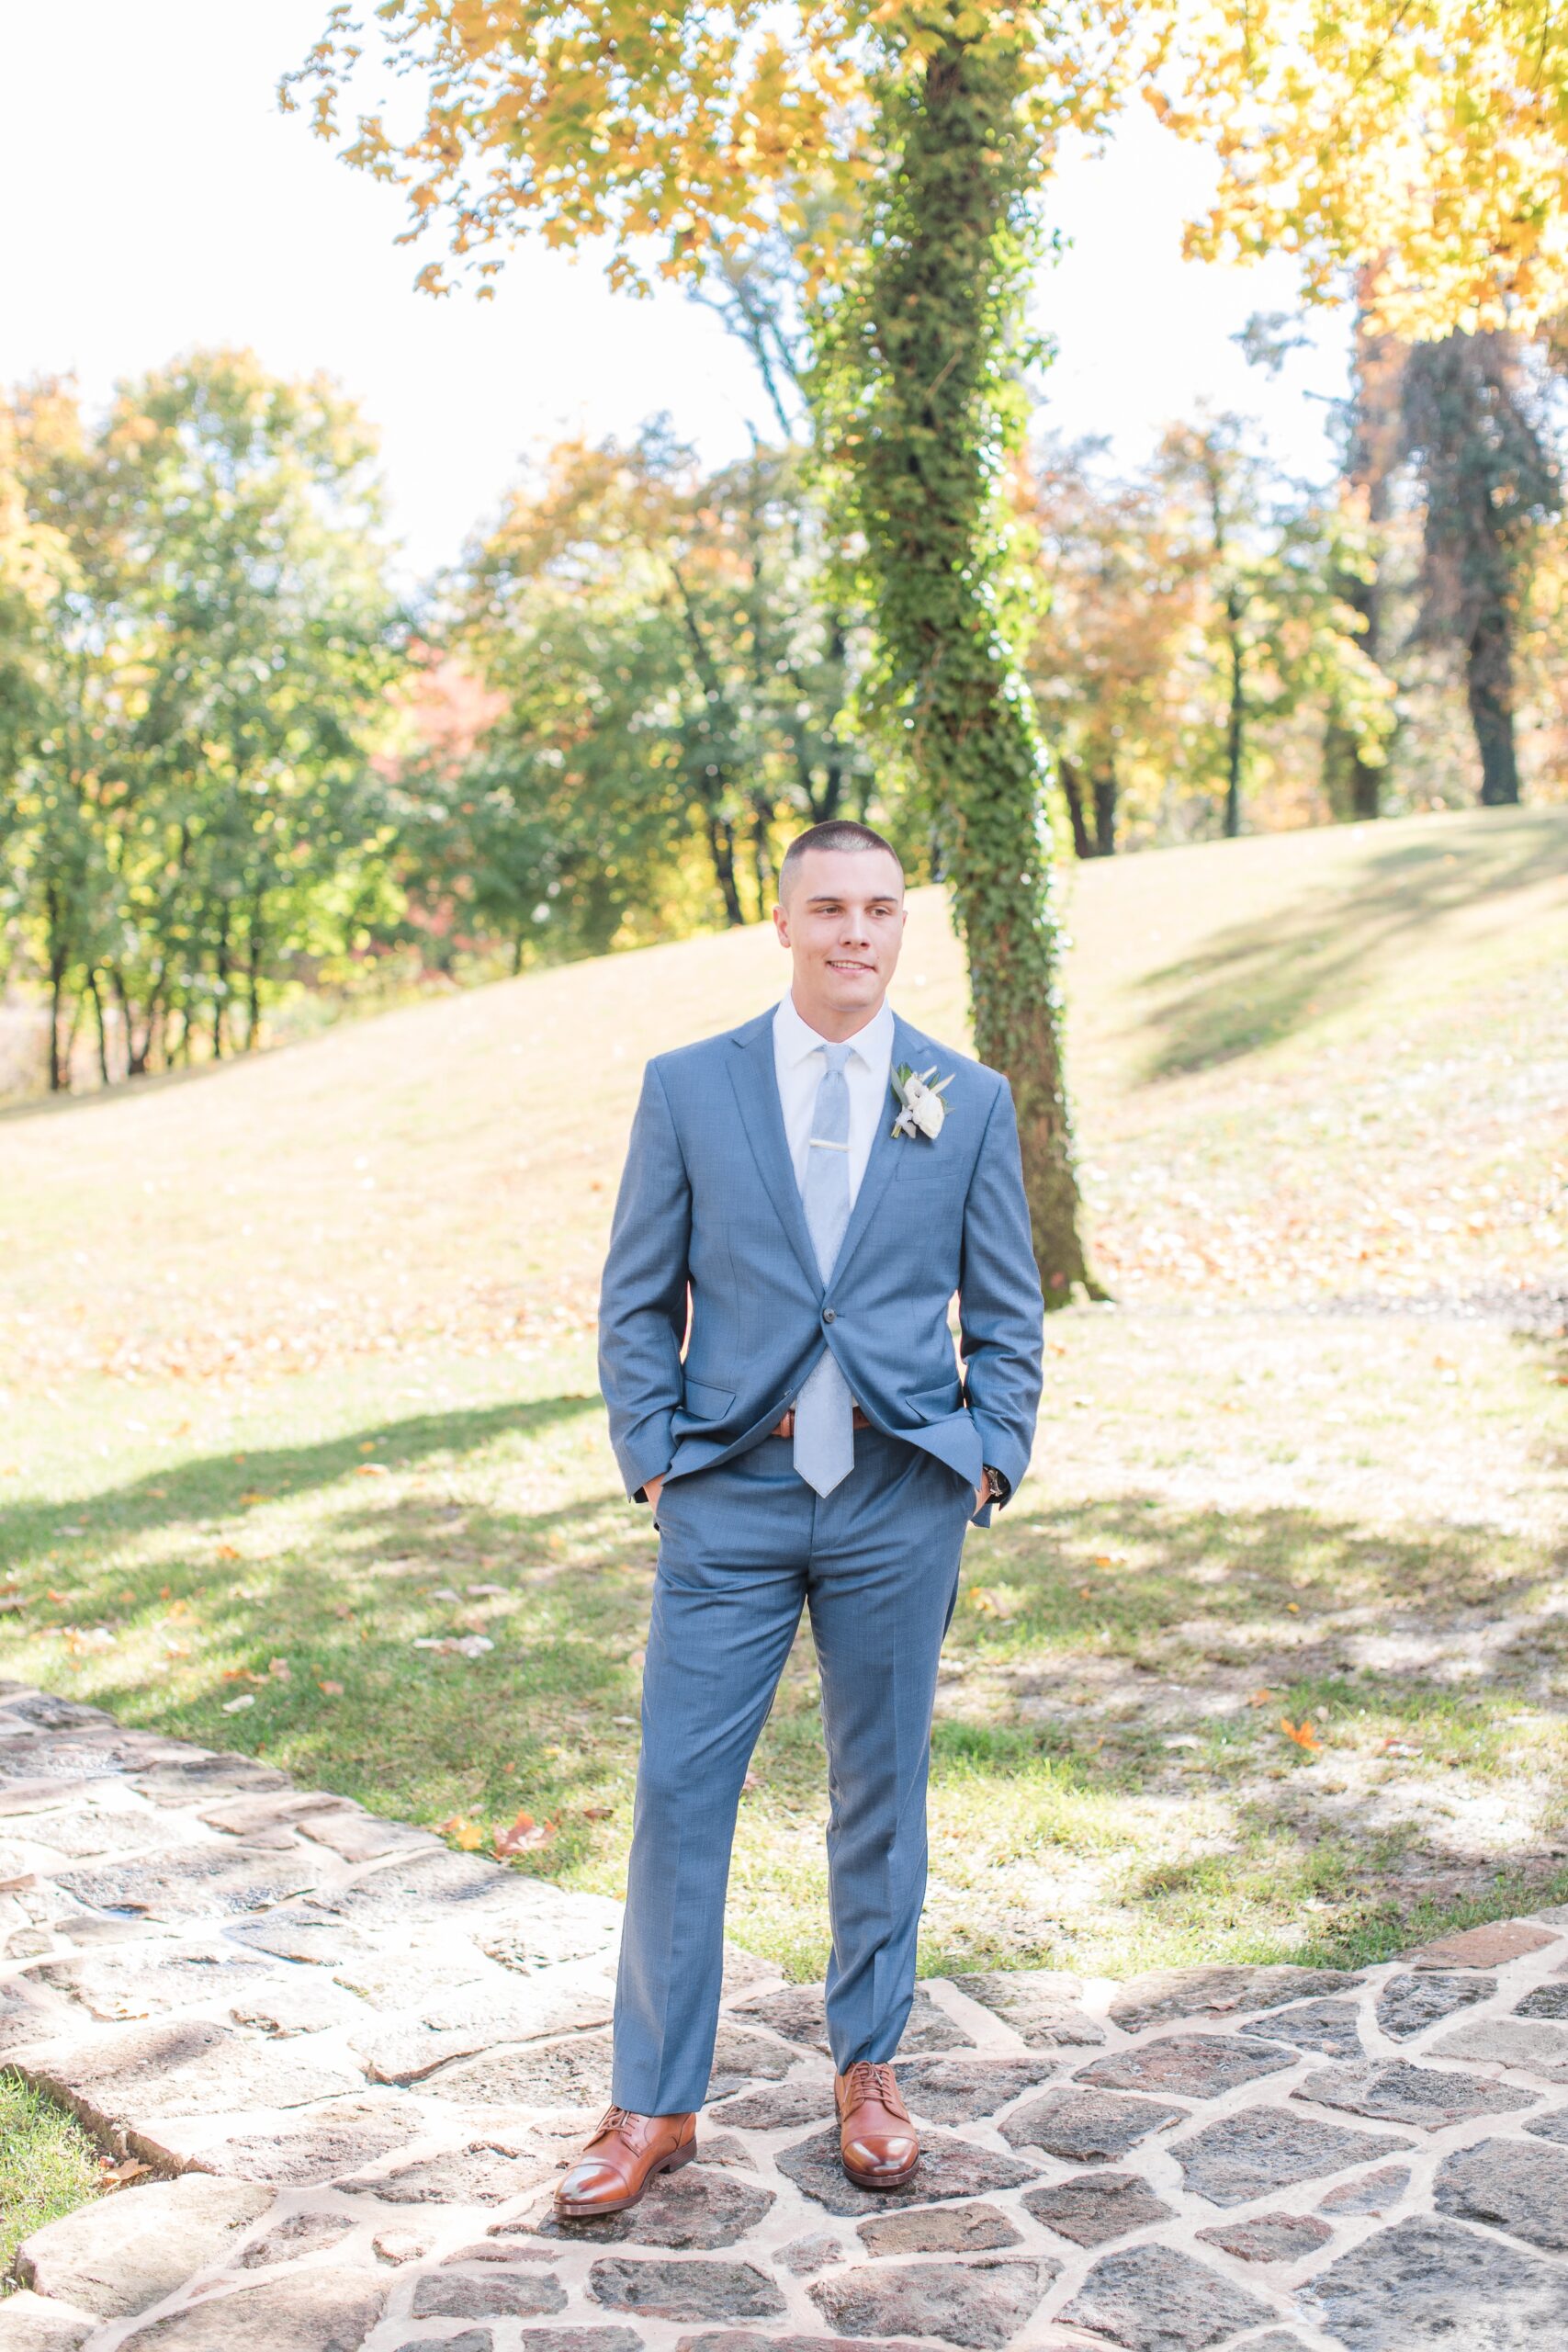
{"x": 524, "y": 1835}
{"x": 115, "y": 2176}
{"x": 597, "y": 1812}
{"x": 252, "y": 1495}
{"x": 233, "y": 1706}
{"x": 469, "y": 1835}
{"x": 371, "y": 1470}
{"x": 228, "y": 1551}
{"x": 280, "y": 1669}
{"x": 1302, "y": 1733}
{"x": 487, "y": 1591}
{"x": 329, "y": 1689}
{"x": 1261, "y": 1697}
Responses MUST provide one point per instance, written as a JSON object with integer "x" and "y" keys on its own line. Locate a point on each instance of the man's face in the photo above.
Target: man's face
{"x": 843, "y": 925}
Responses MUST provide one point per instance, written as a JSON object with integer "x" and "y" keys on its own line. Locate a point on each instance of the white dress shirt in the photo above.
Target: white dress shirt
{"x": 799, "y": 1064}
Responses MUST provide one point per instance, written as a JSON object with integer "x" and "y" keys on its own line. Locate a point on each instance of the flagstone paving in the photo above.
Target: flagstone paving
{"x": 354, "y": 2061}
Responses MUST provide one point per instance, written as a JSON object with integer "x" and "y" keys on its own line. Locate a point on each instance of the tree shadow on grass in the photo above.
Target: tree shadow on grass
{"x": 1103, "y": 1693}
{"x": 1255, "y": 982}
{"x": 223, "y": 1483}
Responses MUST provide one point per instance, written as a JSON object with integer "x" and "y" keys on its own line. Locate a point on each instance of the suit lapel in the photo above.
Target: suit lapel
{"x": 756, "y": 1088}
{"x": 885, "y": 1150}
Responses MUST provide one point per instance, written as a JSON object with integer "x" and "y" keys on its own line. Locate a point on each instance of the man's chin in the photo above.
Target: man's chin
{"x": 848, "y": 991}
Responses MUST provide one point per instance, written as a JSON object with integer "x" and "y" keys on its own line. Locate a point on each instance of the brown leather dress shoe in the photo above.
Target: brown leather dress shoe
{"x": 623, "y": 2155}
{"x": 876, "y": 2138}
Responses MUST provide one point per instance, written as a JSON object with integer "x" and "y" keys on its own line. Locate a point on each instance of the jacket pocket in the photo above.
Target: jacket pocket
{"x": 701, "y": 1403}
{"x": 937, "y": 1403}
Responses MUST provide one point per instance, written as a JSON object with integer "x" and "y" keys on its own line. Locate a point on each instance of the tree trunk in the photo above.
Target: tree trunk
{"x": 1489, "y": 686}
{"x": 929, "y": 345}
{"x": 1235, "y": 720}
{"x": 58, "y": 965}
{"x": 1105, "y": 812}
{"x": 1072, "y": 793}
{"x": 713, "y": 774}
{"x": 221, "y": 980}
{"x": 103, "y": 1038}
{"x": 256, "y": 939}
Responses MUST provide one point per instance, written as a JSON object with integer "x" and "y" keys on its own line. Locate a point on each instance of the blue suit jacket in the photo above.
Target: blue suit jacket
{"x": 713, "y": 1313}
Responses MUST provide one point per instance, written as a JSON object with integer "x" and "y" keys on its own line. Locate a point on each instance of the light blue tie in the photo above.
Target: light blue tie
{"x": 824, "y": 1411}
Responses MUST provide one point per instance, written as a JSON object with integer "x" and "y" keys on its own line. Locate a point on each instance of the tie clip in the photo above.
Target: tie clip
{"x": 820, "y": 1143}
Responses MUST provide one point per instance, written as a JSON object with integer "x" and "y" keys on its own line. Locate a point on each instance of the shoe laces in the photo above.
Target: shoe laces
{"x": 871, "y": 2079}
{"x": 615, "y": 2118}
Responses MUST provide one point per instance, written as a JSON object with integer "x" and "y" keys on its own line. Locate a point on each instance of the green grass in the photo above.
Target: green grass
{"x": 48, "y": 2166}
{"x": 304, "y": 1376}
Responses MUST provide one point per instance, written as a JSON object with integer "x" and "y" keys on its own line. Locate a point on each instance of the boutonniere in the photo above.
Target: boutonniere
{"x": 920, "y": 1107}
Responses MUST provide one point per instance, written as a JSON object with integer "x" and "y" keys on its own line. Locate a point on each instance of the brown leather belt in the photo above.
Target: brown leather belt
{"x": 786, "y": 1427}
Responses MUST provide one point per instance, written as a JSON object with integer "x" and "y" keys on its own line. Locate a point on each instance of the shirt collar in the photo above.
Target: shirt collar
{"x": 874, "y": 1044}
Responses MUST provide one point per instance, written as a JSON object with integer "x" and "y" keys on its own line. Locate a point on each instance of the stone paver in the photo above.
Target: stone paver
{"x": 1154, "y": 2299}
{"x": 1436, "y": 2286}
{"x": 125, "y": 2254}
{"x": 356, "y": 2061}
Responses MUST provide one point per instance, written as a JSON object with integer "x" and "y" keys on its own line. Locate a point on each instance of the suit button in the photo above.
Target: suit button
{"x": 827, "y": 1315}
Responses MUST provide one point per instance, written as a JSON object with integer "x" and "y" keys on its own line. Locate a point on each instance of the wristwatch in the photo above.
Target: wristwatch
{"x": 997, "y": 1487}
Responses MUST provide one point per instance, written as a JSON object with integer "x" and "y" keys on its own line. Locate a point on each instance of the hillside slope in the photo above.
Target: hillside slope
{"x": 1320, "y": 1062}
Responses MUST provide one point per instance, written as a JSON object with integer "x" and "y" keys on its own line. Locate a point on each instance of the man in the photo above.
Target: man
{"x": 802, "y": 1198}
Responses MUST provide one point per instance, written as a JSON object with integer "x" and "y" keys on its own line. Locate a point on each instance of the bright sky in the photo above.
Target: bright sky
{"x": 159, "y": 200}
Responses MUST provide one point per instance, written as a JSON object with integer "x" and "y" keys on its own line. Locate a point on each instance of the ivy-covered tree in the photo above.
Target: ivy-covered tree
{"x": 898, "y": 144}
{"x": 1490, "y": 481}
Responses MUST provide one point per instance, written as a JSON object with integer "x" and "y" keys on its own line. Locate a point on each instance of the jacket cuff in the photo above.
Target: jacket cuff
{"x": 1004, "y": 1453}
{"x": 645, "y": 1455}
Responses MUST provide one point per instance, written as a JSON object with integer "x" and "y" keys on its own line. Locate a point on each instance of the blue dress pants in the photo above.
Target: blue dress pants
{"x": 743, "y": 1547}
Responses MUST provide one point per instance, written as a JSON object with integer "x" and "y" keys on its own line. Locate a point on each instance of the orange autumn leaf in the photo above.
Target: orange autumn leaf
{"x": 1302, "y": 1733}
{"x": 228, "y": 1551}
{"x": 523, "y": 1834}
{"x": 469, "y": 1835}
{"x": 1260, "y": 1697}
{"x": 329, "y": 1689}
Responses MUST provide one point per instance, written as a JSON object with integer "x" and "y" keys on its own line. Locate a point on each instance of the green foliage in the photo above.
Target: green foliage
{"x": 671, "y": 673}
{"x": 1274, "y": 630}
{"x": 193, "y": 810}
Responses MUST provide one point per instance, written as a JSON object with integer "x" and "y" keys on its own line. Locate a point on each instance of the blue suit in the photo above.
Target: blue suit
{"x": 711, "y": 1315}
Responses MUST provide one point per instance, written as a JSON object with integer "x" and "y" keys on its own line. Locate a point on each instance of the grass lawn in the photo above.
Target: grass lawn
{"x": 299, "y": 1366}
{"x": 48, "y": 2166}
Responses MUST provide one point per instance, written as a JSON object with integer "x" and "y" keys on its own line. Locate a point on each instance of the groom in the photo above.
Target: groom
{"x": 794, "y": 1221}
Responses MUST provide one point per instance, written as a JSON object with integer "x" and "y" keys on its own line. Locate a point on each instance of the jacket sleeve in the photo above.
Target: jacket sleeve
{"x": 1001, "y": 1313}
{"x": 642, "y": 1299}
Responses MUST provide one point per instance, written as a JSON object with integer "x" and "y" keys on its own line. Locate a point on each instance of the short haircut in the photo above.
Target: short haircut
{"x": 840, "y": 833}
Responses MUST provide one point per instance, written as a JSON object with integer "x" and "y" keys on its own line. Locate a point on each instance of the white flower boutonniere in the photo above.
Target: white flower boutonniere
{"x": 920, "y": 1107}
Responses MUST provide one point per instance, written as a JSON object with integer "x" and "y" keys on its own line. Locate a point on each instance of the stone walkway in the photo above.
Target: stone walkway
{"x": 354, "y": 2062}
